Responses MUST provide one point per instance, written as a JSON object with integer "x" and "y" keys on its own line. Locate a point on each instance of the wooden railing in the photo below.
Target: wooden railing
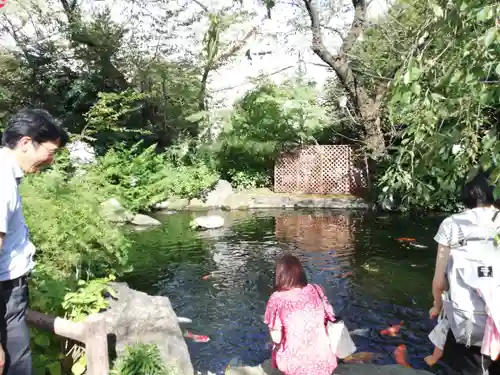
{"x": 92, "y": 333}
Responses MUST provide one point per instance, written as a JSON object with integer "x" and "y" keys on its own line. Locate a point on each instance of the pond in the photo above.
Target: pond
{"x": 371, "y": 279}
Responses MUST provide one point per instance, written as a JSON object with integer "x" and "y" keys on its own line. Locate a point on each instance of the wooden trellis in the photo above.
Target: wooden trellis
{"x": 321, "y": 169}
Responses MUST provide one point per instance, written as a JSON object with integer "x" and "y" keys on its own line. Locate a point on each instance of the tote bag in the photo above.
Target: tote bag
{"x": 341, "y": 343}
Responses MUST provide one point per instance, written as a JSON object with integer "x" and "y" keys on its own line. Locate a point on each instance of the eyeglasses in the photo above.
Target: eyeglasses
{"x": 51, "y": 151}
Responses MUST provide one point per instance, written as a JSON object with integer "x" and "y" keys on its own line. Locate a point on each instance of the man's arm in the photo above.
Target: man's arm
{"x": 5, "y": 211}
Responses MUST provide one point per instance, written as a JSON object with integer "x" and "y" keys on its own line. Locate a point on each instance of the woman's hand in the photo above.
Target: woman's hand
{"x": 434, "y": 312}
{"x": 276, "y": 336}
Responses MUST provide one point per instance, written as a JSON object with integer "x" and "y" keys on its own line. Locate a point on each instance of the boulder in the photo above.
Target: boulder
{"x": 207, "y": 222}
{"x": 265, "y": 199}
{"x": 343, "y": 369}
{"x": 113, "y": 211}
{"x": 136, "y": 317}
{"x": 144, "y": 220}
{"x": 220, "y": 192}
{"x": 173, "y": 203}
{"x": 197, "y": 204}
{"x": 81, "y": 153}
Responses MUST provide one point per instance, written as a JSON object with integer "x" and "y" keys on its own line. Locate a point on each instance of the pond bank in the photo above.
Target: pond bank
{"x": 223, "y": 197}
{"x": 343, "y": 369}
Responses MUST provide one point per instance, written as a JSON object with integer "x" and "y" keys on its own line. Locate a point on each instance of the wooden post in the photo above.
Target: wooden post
{"x": 59, "y": 326}
{"x": 92, "y": 333}
{"x": 96, "y": 346}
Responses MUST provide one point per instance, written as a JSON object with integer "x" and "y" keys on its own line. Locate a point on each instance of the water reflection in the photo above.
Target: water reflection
{"x": 371, "y": 280}
{"x": 322, "y": 232}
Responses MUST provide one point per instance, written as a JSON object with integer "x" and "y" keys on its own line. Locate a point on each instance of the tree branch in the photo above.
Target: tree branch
{"x": 339, "y": 62}
{"x": 203, "y": 6}
{"x": 235, "y": 48}
{"x": 357, "y": 25}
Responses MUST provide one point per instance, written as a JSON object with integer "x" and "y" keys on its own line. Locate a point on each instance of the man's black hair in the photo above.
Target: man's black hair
{"x": 38, "y": 124}
{"x": 478, "y": 191}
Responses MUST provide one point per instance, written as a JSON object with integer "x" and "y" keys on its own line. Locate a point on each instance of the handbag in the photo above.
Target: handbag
{"x": 340, "y": 340}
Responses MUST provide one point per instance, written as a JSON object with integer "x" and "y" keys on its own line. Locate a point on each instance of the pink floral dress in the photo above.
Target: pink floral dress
{"x": 300, "y": 315}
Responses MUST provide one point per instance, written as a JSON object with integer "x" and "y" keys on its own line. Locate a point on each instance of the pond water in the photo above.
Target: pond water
{"x": 371, "y": 279}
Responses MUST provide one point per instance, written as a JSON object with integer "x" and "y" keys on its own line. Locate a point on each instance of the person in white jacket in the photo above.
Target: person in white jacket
{"x": 462, "y": 239}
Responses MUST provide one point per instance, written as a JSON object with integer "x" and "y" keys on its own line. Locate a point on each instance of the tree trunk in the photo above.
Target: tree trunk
{"x": 366, "y": 108}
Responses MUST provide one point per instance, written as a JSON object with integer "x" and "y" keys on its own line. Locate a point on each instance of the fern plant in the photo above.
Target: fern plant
{"x": 141, "y": 359}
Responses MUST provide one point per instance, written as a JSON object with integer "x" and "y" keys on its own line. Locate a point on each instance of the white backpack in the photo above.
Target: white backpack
{"x": 474, "y": 264}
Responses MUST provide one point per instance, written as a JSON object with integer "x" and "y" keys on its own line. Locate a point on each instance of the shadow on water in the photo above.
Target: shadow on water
{"x": 371, "y": 279}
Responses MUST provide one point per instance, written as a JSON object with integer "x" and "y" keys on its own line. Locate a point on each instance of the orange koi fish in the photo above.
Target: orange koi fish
{"x": 392, "y": 330}
{"x": 206, "y": 277}
{"x": 196, "y": 338}
{"x": 359, "y": 357}
{"x": 401, "y": 355}
{"x": 346, "y": 274}
{"x": 406, "y": 239}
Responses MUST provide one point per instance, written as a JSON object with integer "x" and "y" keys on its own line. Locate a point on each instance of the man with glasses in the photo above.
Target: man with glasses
{"x": 30, "y": 141}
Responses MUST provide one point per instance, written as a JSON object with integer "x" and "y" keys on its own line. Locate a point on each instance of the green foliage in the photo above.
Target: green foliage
{"x": 63, "y": 297}
{"x": 246, "y": 152}
{"x": 172, "y": 90}
{"x": 142, "y": 359}
{"x": 289, "y": 111}
{"x": 12, "y": 76}
{"x": 142, "y": 177}
{"x": 246, "y": 180}
{"x": 112, "y": 112}
{"x": 444, "y": 101}
{"x": 88, "y": 299}
{"x": 74, "y": 243}
{"x": 65, "y": 223}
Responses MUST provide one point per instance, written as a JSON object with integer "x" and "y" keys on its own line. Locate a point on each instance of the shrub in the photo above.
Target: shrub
{"x": 142, "y": 177}
{"x": 71, "y": 236}
{"x": 142, "y": 359}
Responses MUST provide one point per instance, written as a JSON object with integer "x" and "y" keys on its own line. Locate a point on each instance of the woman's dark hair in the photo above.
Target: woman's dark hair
{"x": 289, "y": 273}
{"x": 478, "y": 191}
{"x": 38, "y": 124}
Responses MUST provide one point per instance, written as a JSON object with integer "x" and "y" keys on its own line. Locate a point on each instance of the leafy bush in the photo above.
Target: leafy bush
{"x": 72, "y": 238}
{"x": 142, "y": 177}
{"x": 76, "y": 247}
{"x": 142, "y": 359}
{"x": 443, "y": 100}
{"x": 264, "y": 122}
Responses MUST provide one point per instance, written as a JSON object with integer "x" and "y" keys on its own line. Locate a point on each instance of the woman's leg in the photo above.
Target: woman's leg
{"x": 434, "y": 357}
{"x": 466, "y": 360}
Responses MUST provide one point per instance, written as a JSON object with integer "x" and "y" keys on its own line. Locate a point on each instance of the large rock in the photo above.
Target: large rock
{"x": 113, "y": 211}
{"x": 197, "y": 204}
{"x": 221, "y": 191}
{"x": 144, "y": 220}
{"x": 207, "y": 222}
{"x": 343, "y": 369}
{"x": 136, "y": 317}
{"x": 173, "y": 203}
{"x": 81, "y": 153}
{"x": 265, "y": 199}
